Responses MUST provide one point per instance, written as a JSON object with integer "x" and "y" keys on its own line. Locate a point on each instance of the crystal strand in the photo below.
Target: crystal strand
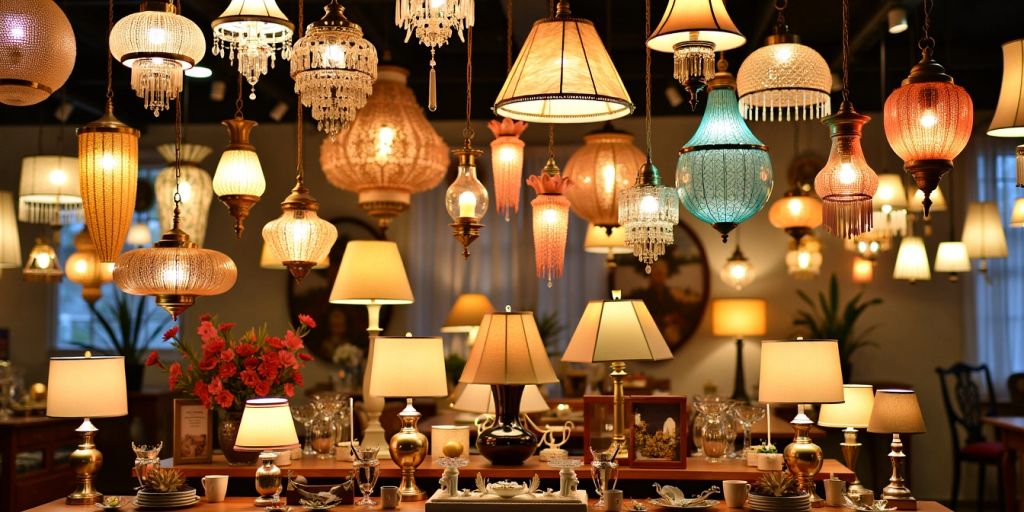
{"x": 432, "y": 98}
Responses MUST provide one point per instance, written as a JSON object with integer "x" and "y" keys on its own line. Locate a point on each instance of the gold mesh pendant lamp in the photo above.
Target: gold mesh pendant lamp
{"x": 84, "y": 267}
{"x": 601, "y": 170}
{"x": 37, "y": 51}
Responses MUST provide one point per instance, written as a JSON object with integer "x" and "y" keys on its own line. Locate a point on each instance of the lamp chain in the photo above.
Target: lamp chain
{"x": 110, "y": 57}
{"x": 647, "y": 78}
{"x": 467, "y": 132}
{"x": 238, "y": 100}
{"x": 177, "y": 164}
{"x": 551, "y": 141}
{"x": 780, "y": 21}
{"x": 299, "y": 167}
{"x": 846, "y": 51}
{"x": 927, "y": 43}
{"x": 508, "y": 36}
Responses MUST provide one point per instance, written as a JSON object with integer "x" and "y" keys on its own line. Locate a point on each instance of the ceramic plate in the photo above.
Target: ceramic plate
{"x": 167, "y": 506}
{"x": 704, "y": 505}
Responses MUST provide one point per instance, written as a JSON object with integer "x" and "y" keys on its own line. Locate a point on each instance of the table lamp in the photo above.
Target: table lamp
{"x": 508, "y": 355}
{"x": 408, "y": 367}
{"x": 607, "y": 241}
{"x": 739, "y": 318}
{"x": 615, "y": 331}
{"x": 465, "y": 316}
{"x": 372, "y": 274}
{"x": 853, "y": 413}
{"x": 801, "y": 372}
{"x": 86, "y": 387}
{"x": 896, "y": 411}
{"x": 267, "y": 427}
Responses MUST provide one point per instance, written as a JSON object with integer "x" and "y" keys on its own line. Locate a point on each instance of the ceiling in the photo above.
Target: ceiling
{"x": 968, "y": 35}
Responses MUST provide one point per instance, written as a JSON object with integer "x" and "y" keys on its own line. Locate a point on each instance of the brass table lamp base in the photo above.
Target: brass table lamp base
{"x": 408, "y": 448}
{"x": 851, "y": 449}
{"x": 619, "y": 443}
{"x": 803, "y": 457}
{"x": 897, "y": 493}
{"x": 85, "y": 461}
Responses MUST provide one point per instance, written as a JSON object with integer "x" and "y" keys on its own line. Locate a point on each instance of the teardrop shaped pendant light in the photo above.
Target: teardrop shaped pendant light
{"x": 433, "y": 22}
{"x": 238, "y": 181}
{"x": 466, "y": 199}
{"x": 253, "y": 32}
{"x": 550, "y": 216}
{"x": 507, "y": 164}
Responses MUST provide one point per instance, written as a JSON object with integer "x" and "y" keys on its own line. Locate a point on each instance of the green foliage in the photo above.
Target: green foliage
{"x": 550, "y": 331}
{"x": 123, "y": 321}
{"x": 828, "y": 319}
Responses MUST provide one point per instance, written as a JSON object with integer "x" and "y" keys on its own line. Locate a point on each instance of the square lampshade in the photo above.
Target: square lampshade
{"x": 371, "y": 271}
{"x": 467, "y": 313}
{"x": 267, "y": 425}
{"x": 408, "y": 367}
{"x": 598, "y": 241}
{"x": 86, "y": 387}
{"x": 616, "y": 330}
{"x": 854, "y": 412}
{"x": 800, "y": 372}
{"x": 479, "y": 399}
{"x": 896, "y": 411}
{"x": 508, "y": 350}
{"x": 739, "y": 317}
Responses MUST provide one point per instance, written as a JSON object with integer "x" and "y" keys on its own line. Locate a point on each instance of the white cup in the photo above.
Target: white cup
{"x": 613, "y": 500}
{"x": 735, "y": 492}
{"x": 834, "y": 490}
{"x": 389, "y": 497}
{"x": 215, "y": 487}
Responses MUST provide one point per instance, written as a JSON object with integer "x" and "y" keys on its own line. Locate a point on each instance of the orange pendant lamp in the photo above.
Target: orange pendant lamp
{"x": 550, "y": 218}
{"x": 507, "y": 164}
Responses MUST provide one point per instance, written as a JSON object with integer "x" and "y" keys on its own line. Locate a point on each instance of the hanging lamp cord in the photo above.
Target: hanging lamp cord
{"x": 238, "y": 100}
{"x": 927, "y": 44}
{"x": 780, "y": 21}
{"x": 299, "y": 167}
{"x": 110, "y": 57}
{"x": 177, "y": 164}
{"x": 467, "y": 132}
{"x": 508, "y": 36}
{"x": 647, "y": 79}
{"x": 846, "y": 51}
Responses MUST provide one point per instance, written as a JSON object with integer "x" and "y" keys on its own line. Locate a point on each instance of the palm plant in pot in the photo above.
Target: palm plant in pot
{"x": 828, "y": 319}
{"x": 777, "y": 490}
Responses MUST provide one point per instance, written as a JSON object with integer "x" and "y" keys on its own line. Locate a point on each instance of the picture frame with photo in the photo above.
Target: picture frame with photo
{"x": 659, "y": 432}
{"x": 193, "y": 432}
{"x": 598, "y": 424}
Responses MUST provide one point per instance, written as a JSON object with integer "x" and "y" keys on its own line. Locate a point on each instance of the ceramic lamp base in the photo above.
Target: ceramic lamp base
{"x": 508, "y": 442}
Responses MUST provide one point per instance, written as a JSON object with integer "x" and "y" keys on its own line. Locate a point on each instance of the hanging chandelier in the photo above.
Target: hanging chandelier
{"x": 724, "y": 174}
{"x": 507, "y": 164}
{"x": 601, "y": 170}
{"x": 563, "y": 75}
{"x": 737, "y": 272}
{"x": 85, "y": 268}
{"x": 38, "y": 48}
{"x": 1008, "y": 120}
{"x": 804, "y": 259}
{"x": 238, "y": 181}
{"x": 550, "y": 217}
{"x": 433, "y": 22}
{"x": 796, "y": 213}
{"x": 195, "y": 190}
{"x": 252, "y": 31}
{"x": 158, "y": 44}
{"x": 10, "y": 242}
{"x": 48, "y": 191}
{"x": 388, "y": 152}
{"x": 334, "y": 68}
{"x": 692, "y": 31}
{"x": 912, "y": 261}
{"x": 43, "y": 265}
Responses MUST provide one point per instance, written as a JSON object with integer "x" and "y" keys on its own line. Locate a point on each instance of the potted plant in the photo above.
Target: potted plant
{"x": 777, "y": 490}
{"x": 829, "y": 320}
{"x": 164, "y": 488}
{"x": 768, "y": 458}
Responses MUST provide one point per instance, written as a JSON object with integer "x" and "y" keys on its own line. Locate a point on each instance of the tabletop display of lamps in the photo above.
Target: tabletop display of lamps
{"x": 896, "y": 411}
{"x": 853, "y": 413}
{"x": 267, "y": 427}
{"x": 615, "y": 331}
{"x": 86, "y": 387}
{"x": 372, "y": 274}
{"x": 509, "y": 354}
{"x": 738, "y": 318}
{"x": 408, "y": 367}
{"x": 801, "y": 372}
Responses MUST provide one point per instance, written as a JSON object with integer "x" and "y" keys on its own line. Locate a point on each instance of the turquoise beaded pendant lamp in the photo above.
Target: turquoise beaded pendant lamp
{"x": 724, "y": 174}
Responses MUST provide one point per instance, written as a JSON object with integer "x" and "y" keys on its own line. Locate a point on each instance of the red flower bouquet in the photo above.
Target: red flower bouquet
{"x": 225, "y": 371}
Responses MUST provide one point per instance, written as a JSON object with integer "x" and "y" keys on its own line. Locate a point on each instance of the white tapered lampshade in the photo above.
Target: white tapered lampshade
{"x": 912, "y": 260}
{"x": 508, "y": 350}
{"x": 371, "y": 271}
{"x": 983, "y": 231}
{"x": 853, "y": 412}
{"x": 266, "y": 425}
{"x": 818, "y": 381}
{"x": 616, "y": 330}
{"x": 407, "y": 367}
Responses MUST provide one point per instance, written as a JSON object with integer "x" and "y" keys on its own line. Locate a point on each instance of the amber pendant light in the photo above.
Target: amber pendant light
{"x": 239, "y": 181}
{"x": 550, "y": 216}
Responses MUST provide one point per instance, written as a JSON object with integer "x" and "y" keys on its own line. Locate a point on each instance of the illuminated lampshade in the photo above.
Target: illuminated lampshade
{"x": 408, "y": 367}
{"x": 266, "y": 426}
{"x": 196, "y": 190}
{"x": 724, "y": 174}
{"x": 952, "y": 257}
{"x": 38, "y": 49}
{"x": 139, "y": 235}
{"x": 739, "y": 318}
{"x": 983, "y": 233}
{"x": 616, "y": 330}
{"x": 238, "y": 181}
{"x": 550, "y": 220}
{"x": 601, "y": 169}
{"x": 869, "y": 245}
{"x": 388, "y": 152}
{"x": 648, "y": 213}
{"x": 507, "y": 164}
{"x": 48, "y": 192}
{"x": 563, "y": 75}
{"x": 819, "y": 363}
{"x": 479, "y": 399}
{"x": 796, "y": 213}
{"x": 508, "y": 351}
{"x": 928, "y": 121}
{"x": 890, "y": 224}
{"x": 467, "y": 313}
{"x": 784, "y": 80}
{"x": 853, "y": 412}
{"x": 915, "y": 203}
{"x": 693, "y": 30}
{"x": 896, "y": 411}
{"x": 270, "y": 262}
{"x": 158, "y": 44}
{"x": 86, "y": 387}
{"x": 299, "y": 238}
{"x": 43, "y": 265}
{"x": 737, "y": 271}
{"x": 371, "y": 272}
{"x": 10, "y": 244}
{"x": 1017, "y": 216}
{"x": 334, "y": 68}
{"x": 804, "y": 259}
{"x": 863, "y": 270}
{"x": 252, "y": 31}
{"x": 891, "y": 195}
{"x": 433, "y": 21}
{"x": 599, "y": 241}
{"x": 1008, "y": 120}
{"x": 912, "y": 261}
{"x": 85, "y": 268}
{"x": 466, "y": 199}
{"x": 847, "y": 183}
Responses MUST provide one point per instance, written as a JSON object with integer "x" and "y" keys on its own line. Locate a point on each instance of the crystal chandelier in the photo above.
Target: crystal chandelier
{"x": 804, "y": 259}
{"x": 692, "y": 31}
{"x": 550, "y": 218}
{"x": 10, "y": 243}
{"x": 195, "y": 190}
{"x": 724, "y": 174}
{"x": 1008, "y": 120}
{"x": 334, "y": 68}
{"x": 601, "y": 169}
{"x": 158, "y": 44}
{"x": 43, "y": 265}
{"x": 253, "y": 31}
{"x": 507, "y": 163}
{"x": 433, "y": 22}
{"x": 37, "y": 51}
{"x": 796, "y": 213}
{"x": 388, "y": 152}
{"x": 737, "y": 272}
{"x": 85, "y": 268}
{"x": 48, "y": 191}
{"x": 238, "y": 181}
{"x": 912, "y": 261}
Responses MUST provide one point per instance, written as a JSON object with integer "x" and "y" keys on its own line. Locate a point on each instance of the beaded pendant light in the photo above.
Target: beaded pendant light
{"x": 194, "y": 184}
{"x": 49, "y": 191}
{"x": 796, "y": 213}
{"x": 42, "y": 265}
{"x": 724, "y": 174}
{"x": 334, "y": 68}
{"x": 252, "y": 31}
{"x": 433, "y": 21}
{"x": 466, "y": 199}
{"x": 692, "y": 31}
{"x": 601, "y": 169}
{"x": 648, "y": 211}
{"x": 388, "y": 152}
{"x": 158, "y": 44}
{"x": 37, "y": 51}
{"x": 238, "y": 181}
{"x": 85, "y": 268}
{"x": 737, "y": 272}
{"x": 550, "y": 216}
{"x": 846, "y": 183}
{"x": 1008, "y": 120}
{"x": 507, "y": 164}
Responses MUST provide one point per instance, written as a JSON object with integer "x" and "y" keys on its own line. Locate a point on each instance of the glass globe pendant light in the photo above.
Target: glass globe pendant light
{"x": 433, "y": 22}
{"x": 158, "y": 44}
{"x": 796, "y": 213}
{"x": 737, "y": 272}
{"x": 507, "y": 163}
{"x": 238, "y": 181}
{"x": 43, "y": 265}
{"x": 601, "y": 170}
{"x": 194, "y": 184}
{"x": 252, "y": 31}
{"x": 550, "y": 216}
{"x": 85, "y": 268}
{"x": 334, "y": 68}
{"x": 724, "y": 174}
{"x": 37, "y": 51}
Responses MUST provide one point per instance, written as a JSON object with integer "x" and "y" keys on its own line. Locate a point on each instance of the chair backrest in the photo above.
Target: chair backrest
{"x": 1016, "y": 385}
{"x": 964, "y": 403}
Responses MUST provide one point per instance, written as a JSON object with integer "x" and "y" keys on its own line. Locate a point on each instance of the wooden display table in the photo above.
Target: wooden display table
{"x": 1011, "y": 433}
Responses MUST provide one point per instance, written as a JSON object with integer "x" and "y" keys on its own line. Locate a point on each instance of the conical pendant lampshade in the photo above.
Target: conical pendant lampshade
{"x": 48, "y": 192}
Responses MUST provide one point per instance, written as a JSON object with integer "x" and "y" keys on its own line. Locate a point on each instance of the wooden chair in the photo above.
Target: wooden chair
{"x": 1015, "y": 383}
{"x": 965, "y": 407}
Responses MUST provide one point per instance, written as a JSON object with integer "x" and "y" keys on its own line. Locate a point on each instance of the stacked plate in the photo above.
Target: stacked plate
{"x": 760, "y": 503}
{"x": 165, "y": 500}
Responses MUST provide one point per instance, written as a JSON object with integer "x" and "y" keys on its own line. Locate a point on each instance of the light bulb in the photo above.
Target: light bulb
{"x": 549, "y": 216}
{"x": 185, "y": 190}
{"x": 437, "y": 4}
{"x": 385, "y": 142}
{"x": 847, "y": 173}
{"x": 795, "y": 206}
{"x": 43, "y": 260}
{"x": 649, "y": 205}
{"x": 738, "y": 271}
{"x": 81, "y": 266}
{"x": 507, "y": 154}
{"x": 608, "y": 177}
{"x": 17, "y": 33}
{"x": 467, "y": 204}
{"x": 157, "y": 35}
{"x": 108, "y": 162}
{"x": 928, "y": 119}
{"x": 784, "y": 54}
{"x": 803, "y": 259}
{"x": 172, "y": 274}
{"x": 334, "y": 55}
{"x": 58, "y": 177}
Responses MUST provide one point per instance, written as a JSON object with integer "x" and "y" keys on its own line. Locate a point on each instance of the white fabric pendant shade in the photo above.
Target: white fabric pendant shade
{"x": 696, "y": 20}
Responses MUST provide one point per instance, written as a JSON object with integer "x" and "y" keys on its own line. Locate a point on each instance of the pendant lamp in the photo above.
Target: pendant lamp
{"x": 158, "y": 44}
{"x": 466, "y": 199}
{"x": 550, "y": 218}
{"x": 737, "y": 272}
{"x": 952, "y": 257}
{"x": 433, "y": 21}
{"x": 10, "y": 243}
{"x": 724, "y": 174}
{"x": 891, "y": 195}
{"x": 863, "y": 270}
{"x": 84, "y": 267}
{"x": 139, "y": 235}
{"x": 253, "y": 32}
{"x": 43, "y": 265}
{"x": 601, "y": 170}
{"x": 388, "y": 152}
{"x": 38, "y": 50}
{"x": 49, "y": 191}
{"x": 194, "y": 184}
{"x": 796, "y": 213}
{"x": 563, "y": 75}
{"x": 238, "y": 181}
{"x": 912, "y": 261}
{"x": 334, "y": 68}
{"x": 983, "y": 233}
{"x": 1008, "y": 120}
{"x": 928, "y": 119}
{"x": 693, "y": 30}
{"x": 1017, "y": 215}
{"x": 869, "y": 245}
{"x": 804, "y": 259}
{"x": 507, "y": 164}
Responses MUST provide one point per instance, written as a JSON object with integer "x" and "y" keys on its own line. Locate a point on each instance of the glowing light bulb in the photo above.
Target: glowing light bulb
{"x": 81, "y": 266}
{"x": 467, "y": 205}
{"x": 108, "y": 162}
{"x": 58, "y": 177}
{"x": 608, "y": 177}
{"x": 185, "y": 190}
{"x": 928, "y": 119}
{"x": 43, "y": 260}
{"x": 738, "y": 271}
{"x": 784, "y": 54}
{"x": 507, "y": 154}
{"x": 385, "y": 142}
{"x": 887, "y": 209}
{"x": 649, "y": 205}
{"x": 157, "y": 35}
{"x": 795, "y": 206}
{"x": 334, "y": 55}
{"x": 17, "y": 33}
{"x": 847, "y": 173}
{"x": 549, "y": 216}
{"x": 803, "y": 260}
{"x": 172, "y": 274}
{"x": 437, "y": 4}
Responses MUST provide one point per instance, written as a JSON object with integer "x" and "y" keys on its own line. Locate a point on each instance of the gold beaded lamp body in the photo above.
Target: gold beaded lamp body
{"x": 37, "y": 51}
{"x": 601, "y": 169}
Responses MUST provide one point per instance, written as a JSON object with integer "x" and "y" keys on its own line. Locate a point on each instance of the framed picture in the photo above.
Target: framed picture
{"x": 193, "y": 432}
{"x": 599, "y": 423}
{"x": 658, "y": 437}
